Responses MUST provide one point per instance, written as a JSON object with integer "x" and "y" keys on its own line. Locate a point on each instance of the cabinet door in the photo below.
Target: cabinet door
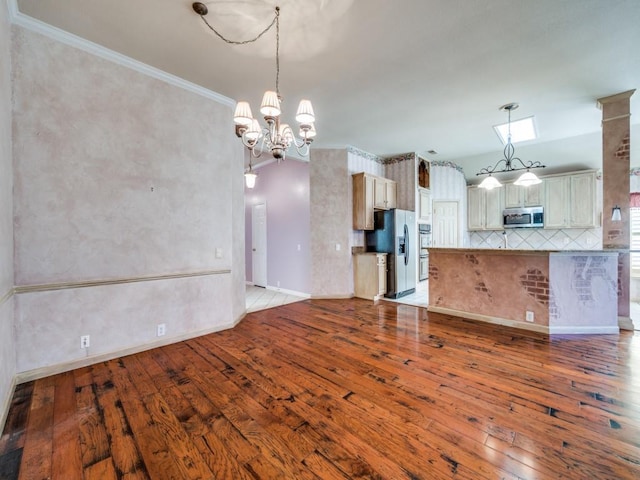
{"x": 494, "y": 204}
{"x": 556, "y": 202}
{"x": 380, "y": 193}
{"x": 512, "y": 195}
{"x": 533, "y": 195}
{"x": 363, "y": 186}
{"x": 475, "y": 208}
{"x": 391, "y": 194}
{"x": 582, "y": 211}
{"x": 425, "y": 206}
{"x": 382, "y": 274}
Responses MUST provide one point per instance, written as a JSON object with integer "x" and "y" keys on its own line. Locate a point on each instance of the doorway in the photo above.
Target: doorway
{"x": 259, "y": 244}
{"x": 445, "y": 224}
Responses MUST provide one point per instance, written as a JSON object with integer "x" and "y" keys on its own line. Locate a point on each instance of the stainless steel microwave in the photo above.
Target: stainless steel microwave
{"x": 527, "y": 217}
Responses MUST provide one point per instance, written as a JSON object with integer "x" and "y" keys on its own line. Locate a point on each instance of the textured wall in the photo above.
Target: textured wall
{"x": 496, "y": 284}
{"x": 331, "y": 224}
{"x": 7, "y": 350}
{"x": 403, "y": 171}
{"x": 285, "y": 189}
{"x": 118, "y": 176}
{"x": 584, "y": 292}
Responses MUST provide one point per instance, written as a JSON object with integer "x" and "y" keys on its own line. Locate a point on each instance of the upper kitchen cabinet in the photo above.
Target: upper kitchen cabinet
{"x": 484, "y": 208}
{"x": 519, "y": 196}
{"x": 371, "y": 193}
{"x": 385, "y": 193}
{"x": 424, "y": 180}
{"x": 424, "y": 205}
{"x": 570, "y": 201}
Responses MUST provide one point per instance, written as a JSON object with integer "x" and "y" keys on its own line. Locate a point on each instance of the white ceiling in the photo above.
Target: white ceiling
{"x": 392, "y": 77}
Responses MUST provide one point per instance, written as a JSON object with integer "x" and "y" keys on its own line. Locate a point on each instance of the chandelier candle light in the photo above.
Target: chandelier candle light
{"x": 511, "y": 163}
{"x": 276, "y": 137}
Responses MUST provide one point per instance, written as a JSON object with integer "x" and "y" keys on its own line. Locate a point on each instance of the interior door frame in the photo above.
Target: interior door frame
{"x": 263, "y": 240}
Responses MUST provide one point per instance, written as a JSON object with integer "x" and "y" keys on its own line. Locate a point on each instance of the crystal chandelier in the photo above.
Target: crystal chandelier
{"x": 511, "y": 163}
{"x": 276, "y": 137}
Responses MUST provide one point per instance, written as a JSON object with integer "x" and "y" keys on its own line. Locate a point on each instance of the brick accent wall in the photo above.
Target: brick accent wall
{"x": 537, "y": 285}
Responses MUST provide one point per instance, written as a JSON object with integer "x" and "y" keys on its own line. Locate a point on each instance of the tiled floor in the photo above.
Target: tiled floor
{"x": 420, "y": 298}
{"x": 259, "y": 298}
{"x": 635, "y": 315}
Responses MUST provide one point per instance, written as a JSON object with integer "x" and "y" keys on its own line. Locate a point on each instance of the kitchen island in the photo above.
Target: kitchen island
{"x": 564, "y": 292}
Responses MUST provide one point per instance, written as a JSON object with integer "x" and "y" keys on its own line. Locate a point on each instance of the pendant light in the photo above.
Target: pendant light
{"x": 510, "y": 163}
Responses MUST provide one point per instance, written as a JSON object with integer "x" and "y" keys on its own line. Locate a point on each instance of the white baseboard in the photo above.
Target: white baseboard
{"x": 489, "y": 319}
{"x": 625, "y": 323}
{"x": 584, "y": 330}
{"x": 6, "y": 404}
{"x": 288, "y": 292}
{"x": 329, "y": 297}
{"x": 47, "y": 371}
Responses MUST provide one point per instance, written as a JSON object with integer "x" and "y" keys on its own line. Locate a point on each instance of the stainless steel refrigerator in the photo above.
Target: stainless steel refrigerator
{"x": 394, "y": 234}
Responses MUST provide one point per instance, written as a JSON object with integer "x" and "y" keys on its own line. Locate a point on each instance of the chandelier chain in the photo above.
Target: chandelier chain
{"x": 277, "y": 20}
{"x": 244, "y": 42}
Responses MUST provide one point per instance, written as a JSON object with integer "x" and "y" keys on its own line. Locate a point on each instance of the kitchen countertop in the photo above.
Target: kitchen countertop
{"x": 514, "y": 251}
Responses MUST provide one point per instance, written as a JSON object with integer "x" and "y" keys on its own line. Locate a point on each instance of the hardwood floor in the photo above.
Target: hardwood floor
{"x": 338, "y": 389}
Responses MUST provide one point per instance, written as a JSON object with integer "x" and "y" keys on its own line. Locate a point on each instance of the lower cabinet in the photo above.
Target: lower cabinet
{"x": 370, "y": 275}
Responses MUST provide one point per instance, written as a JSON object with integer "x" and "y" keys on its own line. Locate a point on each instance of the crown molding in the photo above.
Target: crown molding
{"x": 18, "y": 18}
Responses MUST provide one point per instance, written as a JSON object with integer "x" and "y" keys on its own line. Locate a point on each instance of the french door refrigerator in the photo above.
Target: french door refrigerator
{"x": 394, "y": 234}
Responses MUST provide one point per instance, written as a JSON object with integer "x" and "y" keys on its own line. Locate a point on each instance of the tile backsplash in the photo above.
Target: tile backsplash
{"x": 539, "y": 239}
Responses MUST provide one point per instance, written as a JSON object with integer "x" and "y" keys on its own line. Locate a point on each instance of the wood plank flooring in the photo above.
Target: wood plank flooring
{"x": 339, "y": 389}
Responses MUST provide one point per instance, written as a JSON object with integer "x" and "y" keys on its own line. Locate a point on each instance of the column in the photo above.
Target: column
{"x": 616, "y": 156}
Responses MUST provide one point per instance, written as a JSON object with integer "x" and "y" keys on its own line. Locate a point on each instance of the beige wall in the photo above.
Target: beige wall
{"x": 7, "y": 350}
{"x": 331, "y": 223}
{"x": 123, "y": 178}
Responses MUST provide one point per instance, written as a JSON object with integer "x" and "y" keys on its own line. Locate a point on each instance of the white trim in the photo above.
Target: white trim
{"x": 288, "y": 292}
{"x": 7, "y": 296}
{"x": 49, "y": 370}
{"x": 114, "y": 281}
{"x": 489, "y": 319}
{"x": 30, "y": 23}
{"x": 6, "y": 404}
{"x": 337, "y": 296}
{"x": 584, "y": 330}
{"x": 625, "y": 323}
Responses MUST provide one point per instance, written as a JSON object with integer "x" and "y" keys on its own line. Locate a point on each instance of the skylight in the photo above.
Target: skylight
{"x": 521, "y": 130}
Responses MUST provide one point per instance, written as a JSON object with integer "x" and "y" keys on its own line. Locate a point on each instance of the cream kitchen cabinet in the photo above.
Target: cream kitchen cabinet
{"x": 370, "y": 275}
{"x": 385, "y": 193}
{"x": 556, "y": 203}
{"x": 570, "y": 201}
{"x": 371, "y": 193}
{"x": 484, "y": 208}
{"x": 582, "y": 201}
{"x": 425, "y": 205}
{"x": 519, "y": 196}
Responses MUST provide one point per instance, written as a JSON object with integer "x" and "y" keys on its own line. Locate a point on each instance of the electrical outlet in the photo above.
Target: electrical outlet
{"x": 218, "y": 253}
{"x": 337, "y": 247}
{"x": 161, "y": 329}
{"x": 529, "y": 316}
{"x": 84, "y": 341}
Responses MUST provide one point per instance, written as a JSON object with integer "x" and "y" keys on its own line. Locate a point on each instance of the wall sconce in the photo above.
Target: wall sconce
{"x": 615, "y": 214}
